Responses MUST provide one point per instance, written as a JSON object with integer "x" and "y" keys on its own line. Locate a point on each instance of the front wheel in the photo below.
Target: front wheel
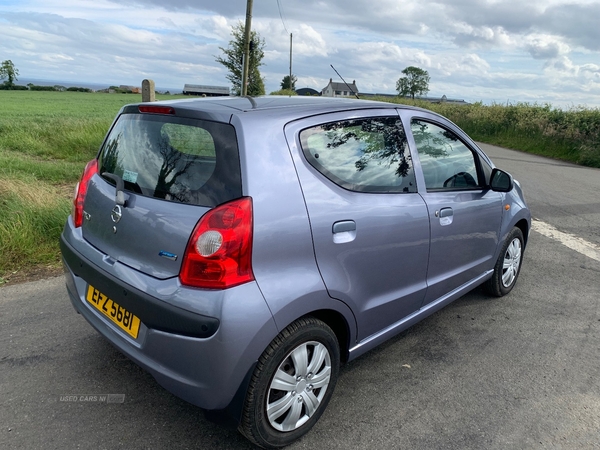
{"x": 508, "y": 266}
{"x": 292, "y": 384}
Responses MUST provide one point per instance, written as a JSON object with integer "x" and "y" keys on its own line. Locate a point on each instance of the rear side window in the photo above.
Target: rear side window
{"x": 176, "y": 159}
{"x": 363, "y": 155}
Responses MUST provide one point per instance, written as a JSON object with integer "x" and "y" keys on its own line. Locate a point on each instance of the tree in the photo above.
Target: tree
{"x": 415, "y": 82}
{"x": 256, "y": 85}
{"x": 285, "y": 83}
{"x": 233, "y": 56}
{"x": 8, "y": 70}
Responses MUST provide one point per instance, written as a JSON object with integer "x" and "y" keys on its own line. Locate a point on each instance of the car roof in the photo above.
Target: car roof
{"x": 248, "y": 103}
{"x": 306, "y": 104}
{"x": 272, "y": 108}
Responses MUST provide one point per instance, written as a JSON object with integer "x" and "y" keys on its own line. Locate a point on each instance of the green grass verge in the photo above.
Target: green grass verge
{"x": 46, "y": 138}
{"x": 33, "y": 215}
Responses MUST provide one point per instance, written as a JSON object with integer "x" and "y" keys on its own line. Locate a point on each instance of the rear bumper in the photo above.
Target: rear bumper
{"x": 200, "y": 358}
{"x": 153, "y": 313}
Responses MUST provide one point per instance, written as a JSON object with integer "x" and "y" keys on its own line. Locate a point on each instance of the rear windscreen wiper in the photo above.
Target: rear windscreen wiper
{"x": 120, "y": 185}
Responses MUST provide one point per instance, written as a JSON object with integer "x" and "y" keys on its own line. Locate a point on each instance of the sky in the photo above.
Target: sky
{"x": 535, "y": 51}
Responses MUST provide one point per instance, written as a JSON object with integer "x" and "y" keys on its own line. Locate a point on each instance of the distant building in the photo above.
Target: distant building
{"x": 206, "y": 91}
{"x": 307, "y": 91}
{"x": 335, "y": 89}
{"x": 132, "y": 89}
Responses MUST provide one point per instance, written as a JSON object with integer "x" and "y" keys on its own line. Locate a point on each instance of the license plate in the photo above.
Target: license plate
{"x": 125, "y": 320}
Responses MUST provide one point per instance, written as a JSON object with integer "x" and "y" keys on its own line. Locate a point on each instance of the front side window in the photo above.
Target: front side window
{"x": 363, "y": 155}
{"x": 176, "y": 159}
{"x": 446, "y": 161}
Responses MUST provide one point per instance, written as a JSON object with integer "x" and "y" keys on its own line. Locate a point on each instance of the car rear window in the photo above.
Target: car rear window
{"x": 172, "y": 158}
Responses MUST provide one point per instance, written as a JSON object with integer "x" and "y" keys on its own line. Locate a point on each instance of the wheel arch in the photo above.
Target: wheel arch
{"x": 523, "y": 225}
{"x": 332, "y": 318}
{"x": 337, "y": 322}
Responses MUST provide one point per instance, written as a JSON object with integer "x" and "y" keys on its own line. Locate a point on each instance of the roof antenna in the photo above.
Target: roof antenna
{"x": 349, "y": 88}
{"x": 254, "y": 105}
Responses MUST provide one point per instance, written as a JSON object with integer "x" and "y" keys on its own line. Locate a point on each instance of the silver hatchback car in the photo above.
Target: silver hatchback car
{"x": 241, "y": 249}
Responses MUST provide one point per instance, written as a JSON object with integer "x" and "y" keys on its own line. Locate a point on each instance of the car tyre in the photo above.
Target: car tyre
{"x": 292, "y": 384}
{"x": 508, "y": 266}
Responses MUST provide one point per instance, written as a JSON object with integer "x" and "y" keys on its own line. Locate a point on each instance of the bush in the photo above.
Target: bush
{"x": 15, "y": 87}
{"x": 78, "y": 89}
{"x": 572, "y": 135}
{"x": 284, "y": 92}
{"x": 33, "y": 87}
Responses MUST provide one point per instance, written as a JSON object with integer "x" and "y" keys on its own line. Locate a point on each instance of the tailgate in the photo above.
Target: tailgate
{"x": 150, "y": 235}
{"x": 168, "y": 170}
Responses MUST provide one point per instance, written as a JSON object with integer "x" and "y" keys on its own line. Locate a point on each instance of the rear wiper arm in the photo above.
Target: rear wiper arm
{"x": 120, "y": 185}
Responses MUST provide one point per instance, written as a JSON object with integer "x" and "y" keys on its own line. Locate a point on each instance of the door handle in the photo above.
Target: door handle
{"x": 446, "y": 216}
{"x": 344, "y": 231}
{"x": 344, "y": 225}
{"x": 446, "y": 212}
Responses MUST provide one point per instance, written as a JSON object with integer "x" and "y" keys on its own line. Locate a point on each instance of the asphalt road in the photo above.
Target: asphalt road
{"x": 520, "y": 372}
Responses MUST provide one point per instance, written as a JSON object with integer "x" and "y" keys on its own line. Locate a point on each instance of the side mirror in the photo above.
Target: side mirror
{"x": 501, "y": 181}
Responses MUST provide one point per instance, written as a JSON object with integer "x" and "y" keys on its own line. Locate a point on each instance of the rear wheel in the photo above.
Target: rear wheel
{"x": 508, "y": 265}
{"x": 292, "y": 384}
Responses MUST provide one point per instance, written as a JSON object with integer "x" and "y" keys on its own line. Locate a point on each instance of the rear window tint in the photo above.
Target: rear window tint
{"x": 176, "y": 159}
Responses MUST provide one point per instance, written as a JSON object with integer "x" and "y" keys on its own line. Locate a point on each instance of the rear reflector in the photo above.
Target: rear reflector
{"x": 149, "y": 109}
{"x": 219, "y": 253}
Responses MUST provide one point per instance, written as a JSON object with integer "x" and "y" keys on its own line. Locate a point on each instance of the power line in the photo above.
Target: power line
{"x": 281, "y": 16}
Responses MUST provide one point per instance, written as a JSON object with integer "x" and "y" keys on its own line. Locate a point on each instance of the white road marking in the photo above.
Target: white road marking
{"x": 569, "y": 240}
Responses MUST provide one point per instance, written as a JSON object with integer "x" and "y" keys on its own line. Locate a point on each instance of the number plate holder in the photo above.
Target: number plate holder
{"x": 118, "y": 315}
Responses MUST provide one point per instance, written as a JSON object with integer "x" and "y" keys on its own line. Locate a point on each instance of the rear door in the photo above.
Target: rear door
{"x": 172, "y": 170}
{"x": 465, "y": 215}
{"x": 370, "y": 226}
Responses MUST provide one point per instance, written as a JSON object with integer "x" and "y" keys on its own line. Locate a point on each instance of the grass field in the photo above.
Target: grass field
{"x": 46, "y": 138}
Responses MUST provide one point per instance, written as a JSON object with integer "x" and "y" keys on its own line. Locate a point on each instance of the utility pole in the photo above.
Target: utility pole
{"x": 291, "y": 84}
{"x": 244, "y": 90}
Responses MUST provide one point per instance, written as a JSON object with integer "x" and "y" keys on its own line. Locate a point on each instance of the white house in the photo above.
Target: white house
{"x": 334, "y": 89}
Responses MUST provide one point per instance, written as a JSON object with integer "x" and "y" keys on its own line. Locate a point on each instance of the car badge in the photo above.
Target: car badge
{"x": 168, "y": 255}
{"x": 116, "y": 214}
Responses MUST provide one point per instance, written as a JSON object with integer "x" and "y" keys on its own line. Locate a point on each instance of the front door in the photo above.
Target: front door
{"x": 464, "y": 214}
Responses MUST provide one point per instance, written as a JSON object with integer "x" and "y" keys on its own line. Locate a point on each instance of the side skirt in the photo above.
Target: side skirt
{"x": 381, "y": 336}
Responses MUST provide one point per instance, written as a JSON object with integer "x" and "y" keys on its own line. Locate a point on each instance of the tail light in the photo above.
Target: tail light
{"x": 219, "y": 253}
{"x": 81, "y": 190}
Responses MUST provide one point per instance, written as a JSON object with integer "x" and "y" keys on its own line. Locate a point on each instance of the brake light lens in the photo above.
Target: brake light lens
{"x": 219, "y": 253}
{"x": 81, "y": 190}
{"x": 156, "y": 109}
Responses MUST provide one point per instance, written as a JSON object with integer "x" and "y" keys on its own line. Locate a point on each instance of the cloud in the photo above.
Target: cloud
{"x": 101, "y": 51}
{"x": 482, "y": 37}
{"x": 546, "y": 47}
{"x": 472, "y": 49}
{"x": 578, "y": 23}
